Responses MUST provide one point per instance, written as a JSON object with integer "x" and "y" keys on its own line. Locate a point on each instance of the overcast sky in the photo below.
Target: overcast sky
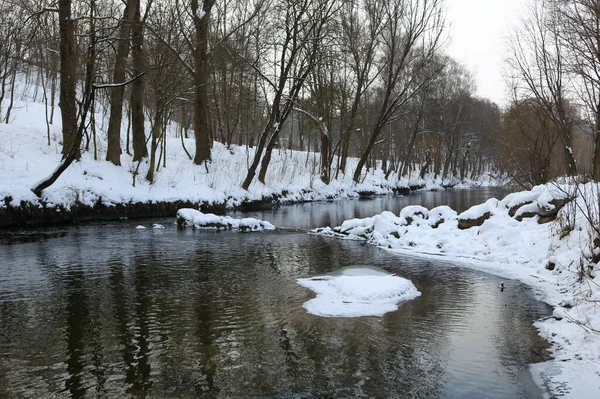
{"x": 478, "y": 31}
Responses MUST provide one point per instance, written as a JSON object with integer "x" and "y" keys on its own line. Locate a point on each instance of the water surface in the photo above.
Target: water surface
{"x": 110, "y": 311}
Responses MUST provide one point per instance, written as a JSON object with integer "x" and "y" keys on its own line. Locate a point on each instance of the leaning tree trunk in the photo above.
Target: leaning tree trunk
{"x": 156, "y": 133}
{"x": 365, "y": 156}
{"x": 68, "y": 78}
{"x": 113, "y": 150}
{"x": 273, "y": 123}
{"x": 264, "y": 165}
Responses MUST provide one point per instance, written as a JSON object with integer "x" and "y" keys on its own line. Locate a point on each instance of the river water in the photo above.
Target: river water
{"x": 114, "y": 312}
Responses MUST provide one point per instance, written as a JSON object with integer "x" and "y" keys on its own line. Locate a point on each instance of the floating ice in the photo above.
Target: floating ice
{"x": 357, "y": 292}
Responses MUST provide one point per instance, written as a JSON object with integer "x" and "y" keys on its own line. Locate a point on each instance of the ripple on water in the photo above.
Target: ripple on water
{"x": 114, "y": 312}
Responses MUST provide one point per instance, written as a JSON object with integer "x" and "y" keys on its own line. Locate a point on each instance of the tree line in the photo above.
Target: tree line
{"x": 554, "y": 115}
{"x": 357, "y": 78}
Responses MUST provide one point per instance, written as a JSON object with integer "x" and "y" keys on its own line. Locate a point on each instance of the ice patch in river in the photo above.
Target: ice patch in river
{"x": 357, "y": 292}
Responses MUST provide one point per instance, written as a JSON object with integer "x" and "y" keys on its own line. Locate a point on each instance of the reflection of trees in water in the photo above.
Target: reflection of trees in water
{"x": 130, "y": 306}
{"x": 78, "y": 319}
{"x": 219, "y": 314}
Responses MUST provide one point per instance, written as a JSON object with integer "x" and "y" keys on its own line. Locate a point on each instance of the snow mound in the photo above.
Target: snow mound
{"x": 414, "y": 213}
{"x": 479, "y": 211}
{"x": 357, "y": 292}
{"x": 187, "y": 217}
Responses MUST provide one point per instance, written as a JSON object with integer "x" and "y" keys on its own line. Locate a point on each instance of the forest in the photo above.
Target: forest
{"x": 362, "y": 78}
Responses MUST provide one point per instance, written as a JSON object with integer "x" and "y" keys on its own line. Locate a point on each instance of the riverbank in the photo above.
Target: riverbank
{"x": 93, "y": 189}
{"x": 546, "y": 238}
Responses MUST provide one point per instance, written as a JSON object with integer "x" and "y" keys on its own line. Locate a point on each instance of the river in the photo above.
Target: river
{"x": 107, "y": 310}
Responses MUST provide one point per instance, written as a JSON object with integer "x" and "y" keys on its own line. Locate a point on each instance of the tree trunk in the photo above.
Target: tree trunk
{"x": 365, "y": 156}
{"x": 12, "y": 93}
{"x": 54, "y": 78}
{"x": 156, "y": 132}
{"x": 569, "y": 157}
{"x": 74, "y": 152}
{"x": 596, "y": 158}
{"x": 140, "y": 150}
{"x": 411, "y": 144}
{"x": 68, "y": 78}
{"x": 262, "y": 140}
{"x": 264, "y": 165}
{"x": 113, "y": 150}
{"x": 202, "y": 127}
{"x": 324, "y": 152}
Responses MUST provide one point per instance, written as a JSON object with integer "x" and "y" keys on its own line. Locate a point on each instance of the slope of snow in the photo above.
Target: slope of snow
{"x": 357, "y": 292}
{"x": 26, "y": 158}
{"x": 562, "y": 271}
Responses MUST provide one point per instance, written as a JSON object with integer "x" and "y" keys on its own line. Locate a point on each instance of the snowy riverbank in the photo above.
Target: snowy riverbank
{"x": 516, "y": 238}
{"x": 94, "y": 187}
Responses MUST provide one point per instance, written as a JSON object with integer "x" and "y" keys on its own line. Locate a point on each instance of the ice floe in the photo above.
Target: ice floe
{"x": 357, "y": 292}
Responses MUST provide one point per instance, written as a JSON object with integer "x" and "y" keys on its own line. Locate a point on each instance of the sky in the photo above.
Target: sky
{"x": 478, "y": 31}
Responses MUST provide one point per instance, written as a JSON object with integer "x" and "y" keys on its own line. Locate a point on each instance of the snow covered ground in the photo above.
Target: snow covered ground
{"x": 26, "y": 158}
{"x": 557, "y": 259}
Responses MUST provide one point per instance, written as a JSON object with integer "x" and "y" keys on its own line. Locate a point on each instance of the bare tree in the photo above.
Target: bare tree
{"x": 541, "y": 71}
{"x": 140, "y": 150}
{"x": 361, "y": 30}
{"x": 202, "y": 126}
{"x": 581, "y": 36}
{"x": 297, "y": 28}
{"x": 411, "y": 38}
{"x": 113, "y": 151}
{"x": 530, "y": 140}
{"x": 68, "y": 75}
{"x": 72, "y": 130}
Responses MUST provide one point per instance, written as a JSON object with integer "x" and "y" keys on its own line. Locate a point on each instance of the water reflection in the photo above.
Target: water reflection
{"x": 111, "y": 311}
{"x": 333, "y": 213}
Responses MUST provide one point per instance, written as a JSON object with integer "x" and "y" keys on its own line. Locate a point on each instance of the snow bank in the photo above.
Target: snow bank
{"x": 357, "y": 292}
{"x": 29, "y": 152}
{"x": 515, "y": 239}
{"x": 192, "y": 218}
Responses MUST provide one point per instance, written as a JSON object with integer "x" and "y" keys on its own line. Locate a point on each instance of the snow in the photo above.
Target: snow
{"x": 357, "y": 292}
{"x": 440, "y": 214}
{"x": 519, "y": 198}
{"x": 548, "y": 257}
{"x": 479, "y": 211}
{"x": 192, "y": 218}
{"x": 26, "y": 158}
{"x": 414, "y": 212}
{"x": 501, "y": 245}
